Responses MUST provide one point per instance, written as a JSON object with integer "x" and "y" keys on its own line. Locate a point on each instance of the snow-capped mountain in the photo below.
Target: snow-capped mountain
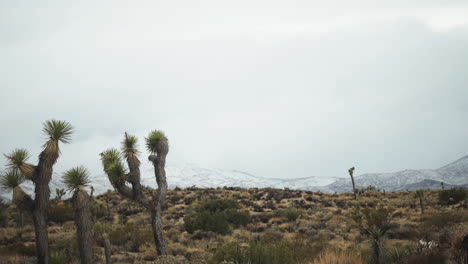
{"x": 453, "y": 175}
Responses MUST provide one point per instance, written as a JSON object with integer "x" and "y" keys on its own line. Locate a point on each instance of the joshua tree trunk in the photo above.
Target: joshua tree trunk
{"x": 351, "y": 172}
{"x": 84, "y": 225}
{"x": 421, "y": 202}
{"x": 159, "y": 162}
{"x": 107, "y": 248}
{"x": 377, "y": 251}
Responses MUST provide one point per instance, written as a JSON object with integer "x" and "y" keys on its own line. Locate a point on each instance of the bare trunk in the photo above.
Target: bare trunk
{"x": 156, "y": 224}
{"x": 421, "y": 202}
{"x": 107, "y": 248}
{"x": 354, "y": 187}
{"x": 84, "y": 225}
{"x": 159, "y": 163}
{"x": 42, "y": 245}
{"x": 41, "y": 201}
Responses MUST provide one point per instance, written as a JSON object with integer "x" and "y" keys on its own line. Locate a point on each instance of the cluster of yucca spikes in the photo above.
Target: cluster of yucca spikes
{"x": 119, "y": 175}
{"x": 19, "y": 169}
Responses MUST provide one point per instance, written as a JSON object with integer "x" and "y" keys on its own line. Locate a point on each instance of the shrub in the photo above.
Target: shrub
{"x": 269, "y": 251}
{"x": 291, "y": 214}
{"x": 443, "y": 219}
{"x": 60, "y": 213}
{"x": 18, "y": 248}
{"x": 215, "y": 222}
{"x": 217, "y": 216}
{"x": 452, "y": 196}
{"x": 218, "y": 205}
{"x": 130, "y": 236}
{"x": 331, "y": 257}
{"x": 58, "y": 257}
{"x": 237, "y": 218}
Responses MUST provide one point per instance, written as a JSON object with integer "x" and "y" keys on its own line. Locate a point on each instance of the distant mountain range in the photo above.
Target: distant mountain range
{"x": 452, "y": 175}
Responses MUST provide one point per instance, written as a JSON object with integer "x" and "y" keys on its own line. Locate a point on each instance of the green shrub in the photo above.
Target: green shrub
{"x": 218, "y": 205}
{"x": 130, "y": 236}
{"x": 215, "y": 222}
{"x": 18, "y": 248}
{"x": 452, "y": 196}
{"x": 237, "y": 218}
{"x": 58, "y": 257}
{"x": 217, "y": 216}
{"x": 269, "y": 251}
{"x": 443, "y": 219}
{"x": 60, "y": 213}
{"x": 291, "y": 214}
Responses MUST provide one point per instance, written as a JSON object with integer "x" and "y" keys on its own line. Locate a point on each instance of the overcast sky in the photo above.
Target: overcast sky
{"x": 280, "y": 89}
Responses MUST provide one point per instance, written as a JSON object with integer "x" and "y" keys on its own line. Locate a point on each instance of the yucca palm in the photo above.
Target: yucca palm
{"x": 351, "y": 173}
{"x": 420, "y": 195}
{"x": 40, "y": 174}
{"x": 76, "y": 179}
{"x": 157, "y": 144}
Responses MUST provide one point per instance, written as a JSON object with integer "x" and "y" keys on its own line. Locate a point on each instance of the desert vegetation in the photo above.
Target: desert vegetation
{"x": 215, "y": 225}
{"x": 260, "y": 226}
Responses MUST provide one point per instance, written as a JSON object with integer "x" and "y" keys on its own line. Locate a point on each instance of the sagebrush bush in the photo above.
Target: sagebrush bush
{"x": 217, "y": 216}
{"x": 333, "y": 257}
{"x": 452, "y": 196}
{"x": 269, "y": 250}
{"x": 60, "y": 213}
{"x": 218, "y": 205}
{"x": 291, "y": 214}
{"x": 130, "y": 236}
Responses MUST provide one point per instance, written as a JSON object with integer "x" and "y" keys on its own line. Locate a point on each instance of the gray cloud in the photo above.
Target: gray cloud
{"x": 280, "y": 90}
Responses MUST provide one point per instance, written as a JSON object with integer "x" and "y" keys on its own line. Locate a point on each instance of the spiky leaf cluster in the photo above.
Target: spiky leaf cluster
{"x": 76, "y": 177}
{"x": 153, "y": 139}
{"x": 17, "y": 158}
{"x": 58, "y": 130}
{"x": 113, "y": 166}
{"x": 129, "y": 146}
{"x": 10, "y": 180}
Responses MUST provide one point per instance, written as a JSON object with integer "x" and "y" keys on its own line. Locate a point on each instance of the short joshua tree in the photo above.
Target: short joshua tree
{"x": 76, "y": 179}
{"x": 40, "y": 175}
{"x": 157, "y": 145}
{"x": 420, "y": 195}
{"x": 101, "y": 233}
{"x": 351, "y": 173}
{"x": 375, "y": 222}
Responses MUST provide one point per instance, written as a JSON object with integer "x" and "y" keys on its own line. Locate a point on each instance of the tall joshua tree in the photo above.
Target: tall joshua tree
{"x": 351, "y": 173}
{"x": 40, "y": 175}
{"x": 420, "y": 196}
{"x": 76, "y": 179}
{"x": 157, "y": 145}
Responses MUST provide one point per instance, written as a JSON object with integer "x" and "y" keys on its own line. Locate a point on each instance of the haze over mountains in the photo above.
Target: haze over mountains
{"x": 452, "y": 175}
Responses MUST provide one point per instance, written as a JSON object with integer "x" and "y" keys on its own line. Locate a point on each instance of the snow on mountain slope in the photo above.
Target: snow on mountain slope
{"x": 455, "y": 172}
{"x": 192, "y": 175}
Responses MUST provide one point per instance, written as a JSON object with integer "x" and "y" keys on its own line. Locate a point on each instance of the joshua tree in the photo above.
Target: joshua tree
{"x": 101, "y": 233}
{"x": 40, "y": 175}
{"x": 157, "y": 145}
{"x": 76, "y": 179}
{"x": 59, "y": 193}
{"x": 420, "y": 195}
{"x": 442, "y": 185}
{"x": 351, "y": 172}
{"x": 375, "y": 222}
